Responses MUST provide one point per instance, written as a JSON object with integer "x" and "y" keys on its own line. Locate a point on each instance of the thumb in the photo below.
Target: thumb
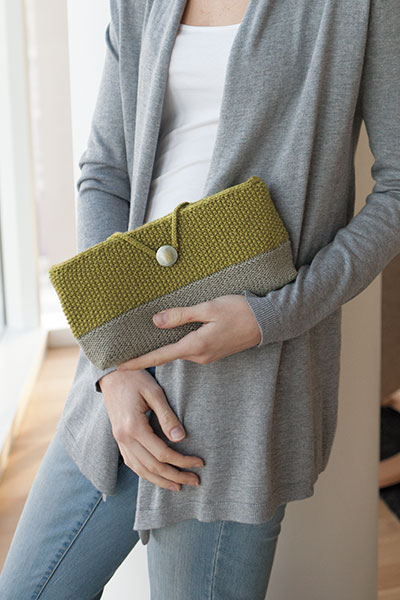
{"x": 168, "y": 420}
{"x": 172, "y": 317}
{"x": 178, "y": 315}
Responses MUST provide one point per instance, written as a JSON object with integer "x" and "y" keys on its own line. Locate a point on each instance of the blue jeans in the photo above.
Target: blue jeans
{"x": 68, "y": 543}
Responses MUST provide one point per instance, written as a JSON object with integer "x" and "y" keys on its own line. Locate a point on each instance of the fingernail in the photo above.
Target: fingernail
{"x": 200, "y": 464}
{"x": 161, "y": 318}
{"x": 177, "y": 432}
{"x": 174, "y": 488}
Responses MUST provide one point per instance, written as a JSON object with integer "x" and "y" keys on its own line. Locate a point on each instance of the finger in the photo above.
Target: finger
{"x": 163, "y": 469}
{"x": 139, "y": 468}
{"x": 184, "y": 347}
{"x": 178, "y": 315}
{"x": 140, "y": 430}
{"x": 164, "y": 453}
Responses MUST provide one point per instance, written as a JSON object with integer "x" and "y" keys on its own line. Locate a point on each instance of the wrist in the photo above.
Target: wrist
{"x": 107, "y": 376}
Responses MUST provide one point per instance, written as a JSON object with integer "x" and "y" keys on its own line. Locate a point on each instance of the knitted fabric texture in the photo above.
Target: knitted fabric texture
{"x": 226, "y": 242}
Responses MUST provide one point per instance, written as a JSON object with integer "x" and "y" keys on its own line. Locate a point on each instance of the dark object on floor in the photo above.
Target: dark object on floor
{"x": 389, "y": 446}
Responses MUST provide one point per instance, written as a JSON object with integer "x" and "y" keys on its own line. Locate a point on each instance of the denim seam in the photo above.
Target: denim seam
{"x": 35, "y": 597}
{"x": 215, "y": 560}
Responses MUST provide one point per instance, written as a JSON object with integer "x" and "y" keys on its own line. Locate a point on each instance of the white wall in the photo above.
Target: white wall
{"x": 327, "y": 548}
{"x": 87, "y": 22}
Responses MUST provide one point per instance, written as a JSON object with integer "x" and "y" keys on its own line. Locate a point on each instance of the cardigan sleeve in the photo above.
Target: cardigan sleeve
{"x": 104, "y": 184}
{"x": 359, "y": 251}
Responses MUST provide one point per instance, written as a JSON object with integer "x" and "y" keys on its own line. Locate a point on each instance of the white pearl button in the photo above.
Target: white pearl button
{"x": 166, "y": 255}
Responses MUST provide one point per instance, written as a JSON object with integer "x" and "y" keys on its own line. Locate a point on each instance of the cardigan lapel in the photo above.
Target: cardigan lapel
{"x": 158, "y": 40}
{"x": 157, "y": 43}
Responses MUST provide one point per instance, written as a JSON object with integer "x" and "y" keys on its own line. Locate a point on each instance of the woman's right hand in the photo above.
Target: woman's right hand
{"x": 128, "y": 395}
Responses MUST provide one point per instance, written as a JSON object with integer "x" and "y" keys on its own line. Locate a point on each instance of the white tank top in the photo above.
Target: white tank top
{"x": 190, "y": 116}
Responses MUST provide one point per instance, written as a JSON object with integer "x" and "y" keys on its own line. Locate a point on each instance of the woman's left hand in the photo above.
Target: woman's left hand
{"x": 229, "y": 327}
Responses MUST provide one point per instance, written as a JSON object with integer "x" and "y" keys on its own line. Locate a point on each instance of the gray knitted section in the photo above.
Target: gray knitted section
{"x": 134, "y": 333}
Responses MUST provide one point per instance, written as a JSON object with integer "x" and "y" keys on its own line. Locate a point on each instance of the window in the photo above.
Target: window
{"x": 2, "y": 302}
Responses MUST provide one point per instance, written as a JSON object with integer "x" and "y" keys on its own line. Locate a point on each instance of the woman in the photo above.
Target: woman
{"x": 270, "y": 88}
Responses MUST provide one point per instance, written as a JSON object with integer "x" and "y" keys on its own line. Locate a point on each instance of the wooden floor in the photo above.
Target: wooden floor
{"x": 36, "y": 431}
{"x": 38, "y": 427}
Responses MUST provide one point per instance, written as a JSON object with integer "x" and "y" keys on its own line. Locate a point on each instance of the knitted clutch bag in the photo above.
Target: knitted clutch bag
{"x": 222, "y": 244}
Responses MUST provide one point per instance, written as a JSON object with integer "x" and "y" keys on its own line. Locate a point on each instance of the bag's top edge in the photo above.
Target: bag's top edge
{"x": 254, "y": 180}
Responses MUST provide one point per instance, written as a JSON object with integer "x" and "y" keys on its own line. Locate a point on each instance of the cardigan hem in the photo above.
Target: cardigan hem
{"x": 242, "y": 512}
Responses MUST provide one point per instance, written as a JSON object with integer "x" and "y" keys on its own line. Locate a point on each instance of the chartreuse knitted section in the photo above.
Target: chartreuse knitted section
{"x": 116, "y": 276}
{"x": 134, "y": 333}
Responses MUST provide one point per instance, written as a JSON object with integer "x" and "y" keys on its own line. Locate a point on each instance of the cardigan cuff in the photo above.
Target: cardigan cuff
{"x": 98, "y": 374}
{"x": 266, "y": 317}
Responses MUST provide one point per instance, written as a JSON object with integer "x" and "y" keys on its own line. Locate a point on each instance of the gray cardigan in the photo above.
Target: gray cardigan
{"x": 301, "y": 77}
